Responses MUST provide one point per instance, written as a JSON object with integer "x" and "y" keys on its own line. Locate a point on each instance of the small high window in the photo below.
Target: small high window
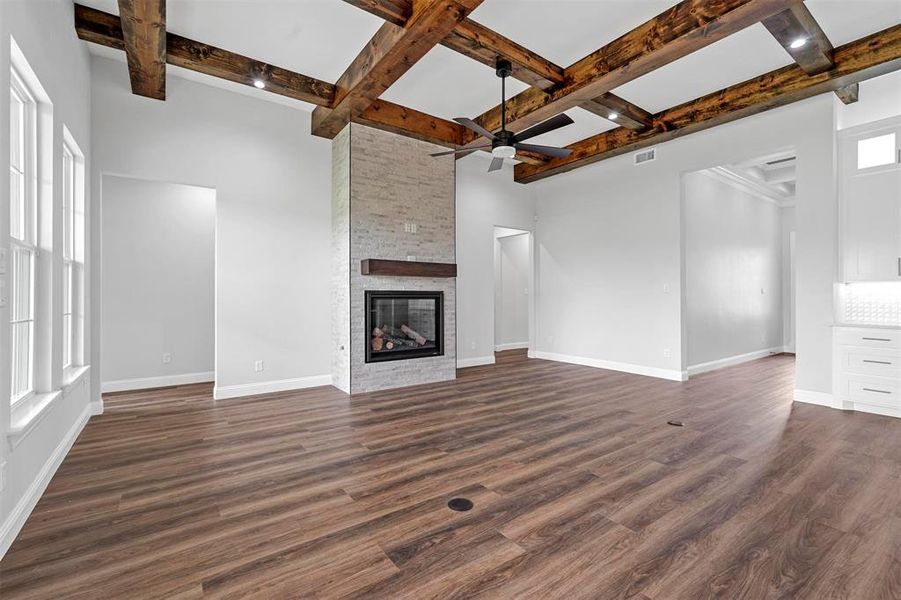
{"x": 876, "y": 151}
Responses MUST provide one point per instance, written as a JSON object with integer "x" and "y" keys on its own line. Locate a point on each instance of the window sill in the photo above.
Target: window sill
{"x": 26, "y": 415}
{"x": 71, "y": 377}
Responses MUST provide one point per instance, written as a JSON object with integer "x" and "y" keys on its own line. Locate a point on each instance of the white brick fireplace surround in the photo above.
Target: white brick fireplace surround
{"x": 390, "y": 200}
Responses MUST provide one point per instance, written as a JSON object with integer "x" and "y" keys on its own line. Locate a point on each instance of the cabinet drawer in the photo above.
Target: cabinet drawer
{"x": 871, "y": 361}
{"x": 869, "y": 338}
{"x": 874, "y": 391}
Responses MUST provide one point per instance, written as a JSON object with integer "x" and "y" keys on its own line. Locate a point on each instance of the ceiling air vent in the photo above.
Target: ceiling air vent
{"x": 646, "y": 156}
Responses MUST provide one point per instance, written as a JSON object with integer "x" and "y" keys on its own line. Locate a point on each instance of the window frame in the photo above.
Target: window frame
{"x": 68, "y": 254}
{"x": 26, "y": 244}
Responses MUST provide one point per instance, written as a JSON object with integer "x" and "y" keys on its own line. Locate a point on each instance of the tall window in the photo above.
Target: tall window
{"x": 68, "y": 286}
{"x": 23, "y": 233}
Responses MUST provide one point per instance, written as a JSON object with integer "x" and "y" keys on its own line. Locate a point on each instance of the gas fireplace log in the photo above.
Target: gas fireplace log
{"x": 412, "y": 334}
{"x": 388, "y": 342}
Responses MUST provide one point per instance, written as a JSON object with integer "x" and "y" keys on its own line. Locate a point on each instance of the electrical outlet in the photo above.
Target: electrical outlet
{"x": 258, "y": 366}
{"x": 167, "y": 358}
{"x": 412, "y": 227}
{"x": 473, "y": 346}
{"x": 667, "y": 353}
{"x": 666, "y": 288}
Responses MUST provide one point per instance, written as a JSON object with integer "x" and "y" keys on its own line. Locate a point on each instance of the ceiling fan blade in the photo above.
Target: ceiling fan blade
{"x": 460, "y": 151}
{"x": 470, "y": 124}
{"x": 549, "y": 150}
{"x": 561, "y": 120}
{"x": 496, "y": 164}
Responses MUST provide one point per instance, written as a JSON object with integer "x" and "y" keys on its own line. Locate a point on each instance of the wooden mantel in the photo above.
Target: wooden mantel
{"x": 406, "y": 268}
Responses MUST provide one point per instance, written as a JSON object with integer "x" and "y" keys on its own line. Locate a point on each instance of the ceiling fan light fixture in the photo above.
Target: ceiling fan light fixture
{"x": 798, "y": 43}
{"x": 503, "y": 152}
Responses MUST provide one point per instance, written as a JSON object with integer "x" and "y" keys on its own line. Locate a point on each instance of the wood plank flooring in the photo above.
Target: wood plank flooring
{"x": 581, "y": 490}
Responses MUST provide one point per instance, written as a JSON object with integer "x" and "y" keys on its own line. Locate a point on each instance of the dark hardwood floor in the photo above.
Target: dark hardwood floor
{"x": 580, "y": 487}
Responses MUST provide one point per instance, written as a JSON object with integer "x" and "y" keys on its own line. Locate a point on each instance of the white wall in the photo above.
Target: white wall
{"x": 733, "y": 270}
{"x": 511, "y": 302}
{"x": 609, "y": 246}
{"x": 272, "y": 182}
{"x": 789, "y": 277}
{"x": 44, "y": 33}
{"x": 483, "y": 201}
{"x": 159, "y": 245}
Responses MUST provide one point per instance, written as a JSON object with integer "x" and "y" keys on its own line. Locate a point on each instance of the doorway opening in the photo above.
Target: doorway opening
{"x": 512, "y": 292}
{"x": 158, "y": 255}
{"x": 738, "y": 226}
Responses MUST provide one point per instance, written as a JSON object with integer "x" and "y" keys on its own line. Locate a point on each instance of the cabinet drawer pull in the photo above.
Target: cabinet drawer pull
{"x": 869, "y": 339}
{"x": 877, "y": 362}
{"x": 876, "y": 391}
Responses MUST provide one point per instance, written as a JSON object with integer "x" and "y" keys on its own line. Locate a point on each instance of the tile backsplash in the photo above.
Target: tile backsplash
{"x": 871, "y": 303}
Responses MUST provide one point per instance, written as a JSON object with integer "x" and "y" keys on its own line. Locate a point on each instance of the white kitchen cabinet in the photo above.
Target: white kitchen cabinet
{"x": 870, "y": 200}
{"x": 867, "y": 369}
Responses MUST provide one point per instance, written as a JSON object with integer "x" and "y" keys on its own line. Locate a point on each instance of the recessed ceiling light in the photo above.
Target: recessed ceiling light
{"x": 613, "y": 116}
{"x": 798, "y": 43}
{"x": 259, "y": 84}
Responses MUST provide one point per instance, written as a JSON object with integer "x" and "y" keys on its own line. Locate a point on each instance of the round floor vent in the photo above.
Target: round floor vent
{"x": 460, "y": 504}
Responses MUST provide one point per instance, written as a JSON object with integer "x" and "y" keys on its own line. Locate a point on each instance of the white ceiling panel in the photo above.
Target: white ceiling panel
{"x": 744, "y": 55}
{"x": 447, "y": 84}
{"x": 847, "y": 20}
{"x": 564, "y": 31}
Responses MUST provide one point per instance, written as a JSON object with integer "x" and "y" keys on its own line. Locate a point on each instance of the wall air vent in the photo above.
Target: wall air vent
{"x": 646, "y": 156}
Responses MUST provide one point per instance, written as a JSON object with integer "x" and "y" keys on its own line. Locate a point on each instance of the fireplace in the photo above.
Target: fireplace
{"x": 403, "y": 325}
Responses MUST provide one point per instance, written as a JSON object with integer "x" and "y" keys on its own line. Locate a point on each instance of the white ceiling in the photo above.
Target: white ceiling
{"x": 321, "y": 37}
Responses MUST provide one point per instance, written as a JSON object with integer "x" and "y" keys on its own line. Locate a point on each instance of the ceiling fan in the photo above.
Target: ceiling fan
{"x": 504, "y": 144}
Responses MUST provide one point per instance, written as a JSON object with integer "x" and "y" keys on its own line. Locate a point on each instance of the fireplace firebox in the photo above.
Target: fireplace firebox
{"x": 403, "y": 325}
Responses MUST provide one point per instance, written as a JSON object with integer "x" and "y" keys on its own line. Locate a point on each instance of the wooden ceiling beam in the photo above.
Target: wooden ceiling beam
{"x": 857, "y": 61}
{"x": 144, "y": 34}
{"x": 478, "y": 42}
{"x": 796, "y": 24}
{"x": 675, "y": 33}
{"x": 105, "y": 29}
{"x": 849, "y": 94}
{"x": 395, "y": 118}
{"x": 391, "y": 52}
{"x": 627, "y": 114}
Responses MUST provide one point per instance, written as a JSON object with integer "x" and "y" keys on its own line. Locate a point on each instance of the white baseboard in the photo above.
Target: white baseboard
{"x": 20, "y": 513}
{"x": 885, "y": 411}
{"x": 511, "y": 346}
{"x": 267, "y": 387}
{"x": 96, "y": 407}
{"x": 615, "y": 366}
{"x": 811, "y": 397}
{"x": 146, "y": 383}
{"x": 731, "y": 361}
{"x": 478, "y": 361}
